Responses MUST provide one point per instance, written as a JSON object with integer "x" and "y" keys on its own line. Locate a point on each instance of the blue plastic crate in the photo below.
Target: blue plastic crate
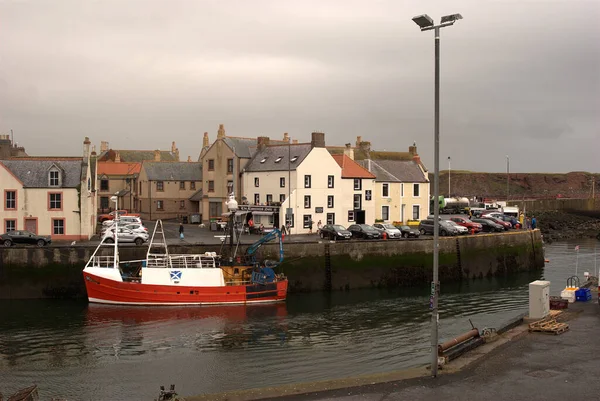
{"x": 582, "y": 292}
{"x": 583, "y": 298}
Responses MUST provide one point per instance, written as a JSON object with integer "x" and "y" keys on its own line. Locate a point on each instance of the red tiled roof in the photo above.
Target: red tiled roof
{"x": 110, "y": 168}
{"x": 350, "y": 168}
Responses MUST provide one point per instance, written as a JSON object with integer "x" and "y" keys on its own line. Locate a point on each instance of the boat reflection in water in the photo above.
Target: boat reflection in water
{"x": 116, "y": 331}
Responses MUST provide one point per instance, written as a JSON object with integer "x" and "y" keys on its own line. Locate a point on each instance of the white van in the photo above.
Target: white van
{"x": 512, "y": 211}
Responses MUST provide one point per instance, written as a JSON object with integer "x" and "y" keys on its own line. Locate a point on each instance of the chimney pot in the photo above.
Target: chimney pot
{"x": 286, "y": 137}
{"x": 205, "y": 141}
{"x": 103, "y": 146}
{"x": 117, "y": 157}
{"x": 295, "y": 141}
{"x": 189, "y": 159}
{"x": 318, "y": 140}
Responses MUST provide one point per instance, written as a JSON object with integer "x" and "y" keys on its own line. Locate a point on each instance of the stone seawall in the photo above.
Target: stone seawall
{"x": 56, "y": 272}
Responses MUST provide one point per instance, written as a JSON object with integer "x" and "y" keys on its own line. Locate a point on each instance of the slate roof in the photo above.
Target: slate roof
{"x": 197, "y": 196}
{"x": 273, "y": 152}
{"x": 133, "y": 156}
{"x": 241, "y": 146}
{"x": 33, "y": 172}
{"x": 350, "y": 168}
{"x": 394, "y": 170}
{"x": 173, "y": 171}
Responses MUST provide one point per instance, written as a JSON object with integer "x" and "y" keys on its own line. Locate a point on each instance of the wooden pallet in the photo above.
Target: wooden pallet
{"x": 549, "y": 326}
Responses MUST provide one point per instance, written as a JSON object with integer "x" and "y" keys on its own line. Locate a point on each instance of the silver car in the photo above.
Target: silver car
{"x": 389, "y": 229}
{"x": 126, "y": 236}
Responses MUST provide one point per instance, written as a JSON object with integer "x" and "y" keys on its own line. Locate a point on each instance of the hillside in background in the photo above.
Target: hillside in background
{"x": 522, "y": 185}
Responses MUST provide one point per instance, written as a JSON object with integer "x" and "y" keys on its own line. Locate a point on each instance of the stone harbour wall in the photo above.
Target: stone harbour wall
{"x": 28, "y": 272}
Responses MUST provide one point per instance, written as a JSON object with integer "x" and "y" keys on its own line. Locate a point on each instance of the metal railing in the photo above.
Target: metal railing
{"x": 102, "y": 261}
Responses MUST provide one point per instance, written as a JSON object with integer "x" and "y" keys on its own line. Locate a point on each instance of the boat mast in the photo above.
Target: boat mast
{"x": 232, "y": 205}
{"x": 115, "y": 199}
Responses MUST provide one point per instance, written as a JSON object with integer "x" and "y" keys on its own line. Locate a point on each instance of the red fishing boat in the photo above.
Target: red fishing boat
{"x": 195, "y": 279}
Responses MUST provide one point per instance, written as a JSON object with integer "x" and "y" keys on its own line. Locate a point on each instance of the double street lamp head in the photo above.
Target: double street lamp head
{"x": 426, "y": 23}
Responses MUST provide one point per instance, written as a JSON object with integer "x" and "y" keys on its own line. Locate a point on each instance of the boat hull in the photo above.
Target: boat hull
{"x": 109, "y": 291}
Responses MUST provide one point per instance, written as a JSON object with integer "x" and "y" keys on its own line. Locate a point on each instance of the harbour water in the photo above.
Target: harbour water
{"x": 78, "y": 351}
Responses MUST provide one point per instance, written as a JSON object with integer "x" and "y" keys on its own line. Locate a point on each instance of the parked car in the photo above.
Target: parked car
{"x": 512, "y": 220}
{"x": 110, "y": 216}
{"x": 364, "y": 231}
{"x": 135, "y": 227}
{"x": 126, "y": 236}
{"x": 488, "y": 225}
{"x": 461, "y": 230}
{"x": 408, "y": 231}
{"x": 426, "y": 227}
{"x": 21, "y": 237}
{"x": 461, "y": 221}
{"x": 335, "y": 232}
{"x": 123, "y": 220}
{"x": 504, "y": 224}
{"x": 390, "y": 229}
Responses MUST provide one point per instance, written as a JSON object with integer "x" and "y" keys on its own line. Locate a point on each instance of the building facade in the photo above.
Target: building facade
{"x": 307, "y": 180}
{"x": 167, "y": 190}
{"x": 222, "y": 164}
{"x": 53, "y": 196}
{"x": 121, "y": 179}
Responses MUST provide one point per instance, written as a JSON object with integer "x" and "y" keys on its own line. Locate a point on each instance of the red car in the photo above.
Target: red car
{"x": 505, "y": 224}
{"x": 461, "y": 221}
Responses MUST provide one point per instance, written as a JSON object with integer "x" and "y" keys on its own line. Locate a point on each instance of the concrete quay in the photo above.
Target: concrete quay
{"x": 517, "y": 366}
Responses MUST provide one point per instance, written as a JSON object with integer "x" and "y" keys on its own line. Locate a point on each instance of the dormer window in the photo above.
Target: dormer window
{"x": 263, "y": 160}
{"x": 293, "y": 159}
{"x": 278, "y": 159}
{"x": 54, "y": 178}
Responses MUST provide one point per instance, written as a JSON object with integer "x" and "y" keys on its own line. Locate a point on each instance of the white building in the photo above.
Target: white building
{"x": 307, "y": 179}
{"x": 50, "y": 195}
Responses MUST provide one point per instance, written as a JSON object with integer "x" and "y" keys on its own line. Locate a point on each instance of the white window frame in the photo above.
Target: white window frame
{"x": 385, "y": 187}
{"x": 330, "y": 219}
{"x": 354, "y": 198}
{"x": 269, "y": 199}
{"x": 6, "y": 224}
{"x": 330, "y": 181}
{"x": 54, "y": 227}
{"x": 351, "y": 215}
{"x": 281, "y": 182}
{"x": 307, "y": 201}
{"x": 383, "y": 214}
{"x": 281, "y": 198}
{"x": 357, "y": 184}
{"x": 51, "y": 179}
{"x": 256, "y": 182}
{"x": 416, "y": 190}
{"x": 305, "y": 221}
{"x": 257, "y": 199}
{"x": 307, "y": 181}
{"x": 418, "y": 209}
{"x": 330, "y": 201}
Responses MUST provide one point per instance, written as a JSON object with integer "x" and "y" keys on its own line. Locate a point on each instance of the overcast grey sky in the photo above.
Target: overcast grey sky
{"x": 519, "y": 78}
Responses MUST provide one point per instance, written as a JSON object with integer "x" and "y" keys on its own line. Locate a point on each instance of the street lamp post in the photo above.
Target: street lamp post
{"x": 449, "y": 160}
{"x": 507, "y": 177}
{"x": 426, "y": 23}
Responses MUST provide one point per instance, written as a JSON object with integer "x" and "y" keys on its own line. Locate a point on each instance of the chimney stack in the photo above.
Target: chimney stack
{"x": 262, "y": 142}
{"x": 205, "y": 142}
{"x": 86, "y": 148}
{"x": 294, "y": 141}
{"x": 358, "y": 141}
{"x": 221, "y": 132}
{"x": 189, "y": 159}
{"x": 413, "y": 149}
{"x": 93, "y": 150}
{"x": 349, "y": 151}
{"x": 173, "y": 147}
{"x": 117, "y": 157}
{"x": 103, "y": 146}
{"x": 157, "y": 155}
{"x": 286, "y": 137}
{"x": 318, "y": 140}
{"x": 417, "y": 159}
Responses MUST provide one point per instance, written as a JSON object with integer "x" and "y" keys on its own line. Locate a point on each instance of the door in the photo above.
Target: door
{"x": 359, "y": 216}
{"x": 215, "y": 210}
{"x": 31, "y": 225}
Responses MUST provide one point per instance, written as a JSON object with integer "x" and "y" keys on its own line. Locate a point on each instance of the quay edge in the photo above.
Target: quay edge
{"x": 55, "y": 272}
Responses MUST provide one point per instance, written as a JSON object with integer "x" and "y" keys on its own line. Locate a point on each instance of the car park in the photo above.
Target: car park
{"x": 364, "y": 231}
{"x": 391, "y": 230}
{"x": 334, "y": 232}
{"x": 509, "y": 219}
{"x": 426, "y": 227}
{"x": 505, "y": 225}
{"x": 461, "y": 230}
{"x": 135, "y": 227}
{"x": 22, "y": 237}
{"x": 123, "y": 220}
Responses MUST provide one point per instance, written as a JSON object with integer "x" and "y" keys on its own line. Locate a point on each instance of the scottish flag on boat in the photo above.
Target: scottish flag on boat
{"x": 175, "y": 275}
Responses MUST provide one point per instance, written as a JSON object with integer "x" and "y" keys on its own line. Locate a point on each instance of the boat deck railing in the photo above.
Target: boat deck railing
{"x": 102, "y": 261}
{"x": 181, "y": 261}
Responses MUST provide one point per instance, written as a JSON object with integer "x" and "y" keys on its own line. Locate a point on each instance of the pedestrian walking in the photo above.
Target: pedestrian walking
{"x": 310, "y": 224}
{"x": 181, "y": 231}
{"x": 533, "y": 222}
{"x": 522, "y": 220}
{"x": 319, "y": 226}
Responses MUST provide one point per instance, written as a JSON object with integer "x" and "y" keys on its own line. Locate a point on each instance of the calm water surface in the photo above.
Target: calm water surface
{"x": 86, "y": 352}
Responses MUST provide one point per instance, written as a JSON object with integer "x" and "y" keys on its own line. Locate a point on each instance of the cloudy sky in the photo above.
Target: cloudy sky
{"x": 519, "y": 78}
